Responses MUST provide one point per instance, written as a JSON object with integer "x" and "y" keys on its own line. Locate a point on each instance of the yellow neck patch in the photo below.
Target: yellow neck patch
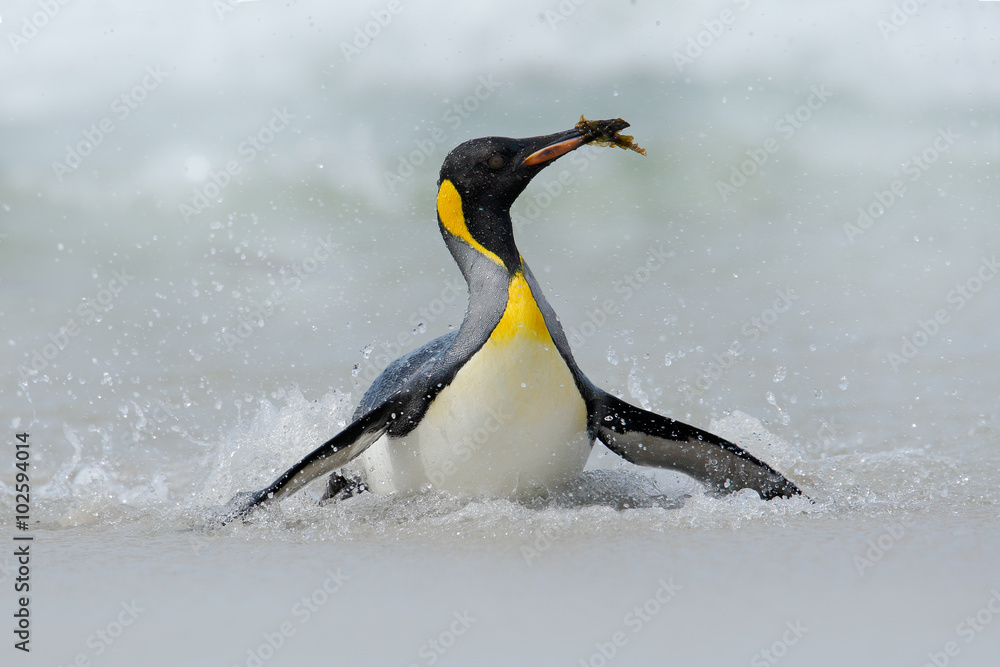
{"x": 449, "y": 205}
{"x": 522, "y": 316}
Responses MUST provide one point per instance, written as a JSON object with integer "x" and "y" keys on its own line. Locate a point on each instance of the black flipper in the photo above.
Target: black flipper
{"x": 331, "y": 455}
{"x": 649, "y": 439}
{"x": 395, "y": 403}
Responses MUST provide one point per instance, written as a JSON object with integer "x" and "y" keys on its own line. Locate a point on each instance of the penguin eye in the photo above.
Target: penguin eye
{"x": 495, "y": 162}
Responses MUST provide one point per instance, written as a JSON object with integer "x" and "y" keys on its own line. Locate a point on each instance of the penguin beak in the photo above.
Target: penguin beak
{"x": 553, "y": 146}
{"x": 542, "y": 150}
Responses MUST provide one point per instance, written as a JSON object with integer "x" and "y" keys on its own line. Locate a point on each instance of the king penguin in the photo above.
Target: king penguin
{"x": 500, "y": 407}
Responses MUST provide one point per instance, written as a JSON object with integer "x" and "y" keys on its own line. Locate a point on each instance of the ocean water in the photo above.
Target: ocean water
{"x": 217, "y": 226}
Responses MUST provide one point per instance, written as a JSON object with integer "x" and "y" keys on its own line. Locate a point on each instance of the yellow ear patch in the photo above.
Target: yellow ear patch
{"x": 522, "y": 316}
{"x": 449, "y": 205}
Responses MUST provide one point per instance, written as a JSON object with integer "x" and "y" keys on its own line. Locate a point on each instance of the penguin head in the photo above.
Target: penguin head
{"x": 481, "y": 178}
{"x": 493, "y": 171}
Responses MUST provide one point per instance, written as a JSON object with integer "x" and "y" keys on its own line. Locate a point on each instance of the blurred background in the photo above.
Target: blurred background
{"x": 119, "y": 124}
{"x": 217, "y": 226}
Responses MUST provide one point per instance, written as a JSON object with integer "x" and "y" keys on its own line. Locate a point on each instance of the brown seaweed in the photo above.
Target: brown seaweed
{"x": 606, "y": 133}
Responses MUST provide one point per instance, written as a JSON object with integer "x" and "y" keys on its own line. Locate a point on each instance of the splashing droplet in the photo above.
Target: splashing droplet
{"x": 612, "y": 356}
{"x": 780, "y": 374}
{"x": 843, "y": 383}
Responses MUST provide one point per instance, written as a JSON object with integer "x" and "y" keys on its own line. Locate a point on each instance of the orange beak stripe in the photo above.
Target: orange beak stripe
{"x": 553, "y": 151}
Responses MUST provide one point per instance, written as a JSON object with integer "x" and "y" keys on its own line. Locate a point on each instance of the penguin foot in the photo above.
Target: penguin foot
{"x": 340, "y": 488}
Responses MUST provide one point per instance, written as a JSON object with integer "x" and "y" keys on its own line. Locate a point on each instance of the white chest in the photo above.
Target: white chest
{"x": 511, "y": 420}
